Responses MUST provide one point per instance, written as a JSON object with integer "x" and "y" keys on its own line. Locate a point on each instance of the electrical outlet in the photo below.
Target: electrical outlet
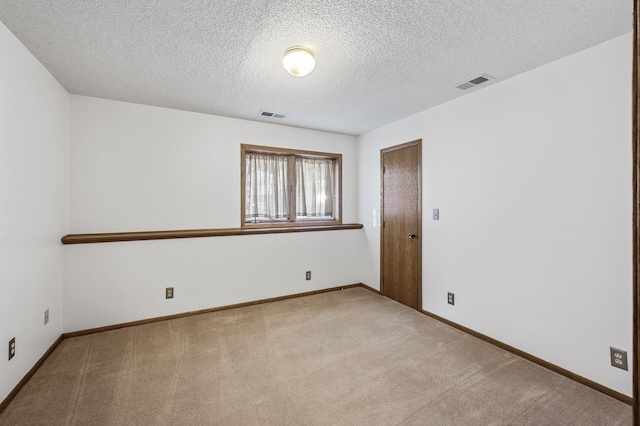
{"x": 619, "y": 359}
{"x": 46, "y": 317}
{"x": 12, "y": 348}
{"x": 169, "y": 293}
{"x": 308, "y": 275}
{"x": 451, "y": 298}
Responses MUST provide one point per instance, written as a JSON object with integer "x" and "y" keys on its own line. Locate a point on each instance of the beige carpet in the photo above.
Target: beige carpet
{"x": 342, "y": 358}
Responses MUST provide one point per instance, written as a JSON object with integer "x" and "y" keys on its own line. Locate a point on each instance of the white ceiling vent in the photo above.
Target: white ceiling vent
{"x": 473, "y": 82}
{"x": 271, "y": 114}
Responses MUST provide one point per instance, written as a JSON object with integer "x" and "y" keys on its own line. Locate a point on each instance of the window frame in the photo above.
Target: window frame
{"x": 293, "y": 154}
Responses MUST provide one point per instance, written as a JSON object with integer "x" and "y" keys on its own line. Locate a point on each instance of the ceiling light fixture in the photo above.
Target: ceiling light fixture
{"x": 298, "y": 61}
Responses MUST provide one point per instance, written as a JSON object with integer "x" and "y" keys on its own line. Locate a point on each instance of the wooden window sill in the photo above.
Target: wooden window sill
{"x": 197, "y": 233}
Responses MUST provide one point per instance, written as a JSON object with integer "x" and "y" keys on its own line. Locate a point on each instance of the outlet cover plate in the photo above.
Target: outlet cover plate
{"x": 308, "y": 276}
{"x": 619, "y": 359}
{"x": 169, "y": 293}
{"x": 12, "y": 348}
{"x": 46, "y": 317}
{"x": 451, "y": 298}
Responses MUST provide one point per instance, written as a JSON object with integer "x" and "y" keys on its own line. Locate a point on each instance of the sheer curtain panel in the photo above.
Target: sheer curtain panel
{"x": 314, "y": 188}
{"x": 267, "y": 187}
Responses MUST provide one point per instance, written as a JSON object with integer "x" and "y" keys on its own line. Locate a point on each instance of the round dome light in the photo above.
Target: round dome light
{"x": 298, "y": 61}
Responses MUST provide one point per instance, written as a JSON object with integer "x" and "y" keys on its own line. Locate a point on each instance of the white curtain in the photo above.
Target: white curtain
{"x": 314, "y": 188}
{"x": 267, "y": 187}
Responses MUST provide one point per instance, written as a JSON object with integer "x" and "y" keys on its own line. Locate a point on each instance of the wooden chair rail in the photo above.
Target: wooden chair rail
{"x": 196, "y": 233}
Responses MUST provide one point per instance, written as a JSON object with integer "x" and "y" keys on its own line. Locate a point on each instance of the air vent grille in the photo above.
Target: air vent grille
{"x": 272, "y": 114}
{"x": 473, "y": 82}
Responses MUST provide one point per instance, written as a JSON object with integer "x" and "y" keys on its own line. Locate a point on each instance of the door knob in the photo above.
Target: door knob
{"x": 412, "y": 236}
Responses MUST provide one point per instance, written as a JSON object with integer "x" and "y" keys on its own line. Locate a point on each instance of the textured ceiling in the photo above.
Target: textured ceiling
{"x": 377, "y": 61}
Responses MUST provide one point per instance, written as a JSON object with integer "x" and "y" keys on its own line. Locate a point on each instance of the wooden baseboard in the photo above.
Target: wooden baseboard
{"x": 369, "y": 288}
{"x": 583, "y": 380}
{"x": 27, "y": 376}
{"x": 203, "y": 311}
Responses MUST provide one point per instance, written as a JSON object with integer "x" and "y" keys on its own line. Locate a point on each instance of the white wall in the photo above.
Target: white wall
{"x": 34, "y": 150}
{"x": 137, "y": 168}
{"x": 532, "y": 177}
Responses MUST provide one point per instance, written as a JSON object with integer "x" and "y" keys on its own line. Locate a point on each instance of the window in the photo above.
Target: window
{"x": 284, "y": 187}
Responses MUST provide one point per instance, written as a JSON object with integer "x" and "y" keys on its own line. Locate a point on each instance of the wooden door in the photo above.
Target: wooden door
{"x": 401, "y": 217}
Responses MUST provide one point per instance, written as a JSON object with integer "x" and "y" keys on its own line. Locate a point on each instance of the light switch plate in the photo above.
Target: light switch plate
{"x": 436, "y": 214}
